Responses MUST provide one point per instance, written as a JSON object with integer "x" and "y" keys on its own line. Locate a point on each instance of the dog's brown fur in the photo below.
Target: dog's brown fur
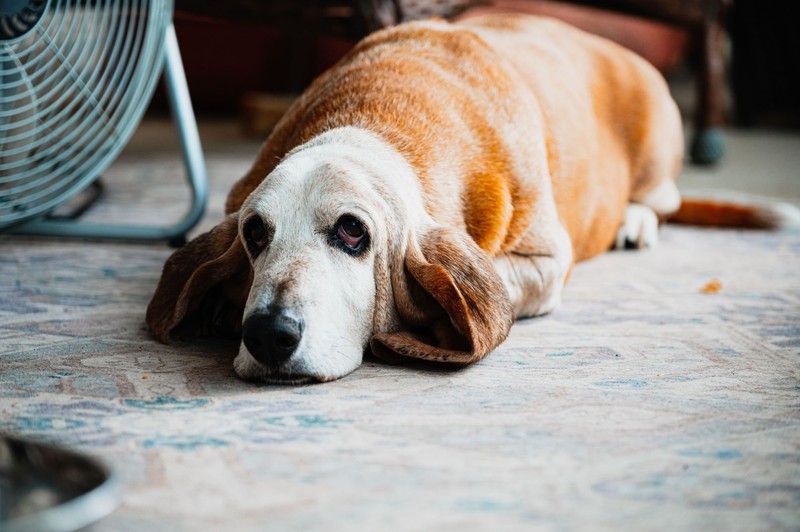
{"x": 515, "y": 126}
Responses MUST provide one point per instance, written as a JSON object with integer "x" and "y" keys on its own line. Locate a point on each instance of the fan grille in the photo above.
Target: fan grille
{"x": 74, "y": 83}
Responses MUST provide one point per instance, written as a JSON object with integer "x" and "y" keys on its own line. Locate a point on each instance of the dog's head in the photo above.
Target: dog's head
{"x": 331, "y": 254}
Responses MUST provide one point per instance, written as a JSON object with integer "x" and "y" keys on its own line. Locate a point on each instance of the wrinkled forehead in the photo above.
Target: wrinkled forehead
{"x": 306, "y": 181}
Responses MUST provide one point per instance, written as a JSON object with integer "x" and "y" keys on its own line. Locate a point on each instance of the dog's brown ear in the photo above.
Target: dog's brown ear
{"x": 452, "y": 303}
{"x": 203, "y": 288}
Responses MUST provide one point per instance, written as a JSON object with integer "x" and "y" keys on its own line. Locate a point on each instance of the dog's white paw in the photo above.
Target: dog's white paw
{"x": 640, "y": 229}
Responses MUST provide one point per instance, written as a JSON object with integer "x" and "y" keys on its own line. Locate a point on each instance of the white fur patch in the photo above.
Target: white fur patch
{"x": 343, "y": 172}
{"x": 664, "y": 199}
{"x": 640, "y": 227}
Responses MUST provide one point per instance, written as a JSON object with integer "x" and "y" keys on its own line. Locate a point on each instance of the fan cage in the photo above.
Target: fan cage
{"x": 73, "y": 88}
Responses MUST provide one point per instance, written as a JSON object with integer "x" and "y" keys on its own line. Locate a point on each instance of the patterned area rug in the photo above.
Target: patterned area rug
{"x": 649, "y": 400}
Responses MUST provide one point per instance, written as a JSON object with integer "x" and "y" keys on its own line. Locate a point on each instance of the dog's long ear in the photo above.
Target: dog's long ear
{"x": 203, "y": 287}
{"x": 452, "y": 303}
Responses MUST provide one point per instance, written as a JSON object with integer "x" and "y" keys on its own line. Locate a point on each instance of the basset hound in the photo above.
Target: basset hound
{"x": 437, "y": 183}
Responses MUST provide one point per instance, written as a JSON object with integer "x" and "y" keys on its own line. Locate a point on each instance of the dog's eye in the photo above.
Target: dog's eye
{"x": 256, "y": 235}
{"x": 351, "y": 234}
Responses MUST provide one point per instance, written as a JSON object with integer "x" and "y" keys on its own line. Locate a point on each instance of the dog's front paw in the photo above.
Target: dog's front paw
{"x": 640, "y": 228}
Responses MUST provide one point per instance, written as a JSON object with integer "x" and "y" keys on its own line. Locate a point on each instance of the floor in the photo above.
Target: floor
{"x": 757, "y": 163}
{"x": 645, "y": 402}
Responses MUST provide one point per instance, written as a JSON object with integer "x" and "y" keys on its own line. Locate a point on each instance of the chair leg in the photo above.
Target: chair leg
{"x": 708, "y": 145}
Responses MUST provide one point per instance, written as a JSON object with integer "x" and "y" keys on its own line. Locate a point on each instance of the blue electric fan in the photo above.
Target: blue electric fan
{"x": 76, "y": 76}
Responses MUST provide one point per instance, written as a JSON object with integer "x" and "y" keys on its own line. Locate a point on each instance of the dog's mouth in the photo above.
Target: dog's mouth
{"x": 287, "y": 380}
{"x": 248, "y": 369}
{"x": 267, "y": 376}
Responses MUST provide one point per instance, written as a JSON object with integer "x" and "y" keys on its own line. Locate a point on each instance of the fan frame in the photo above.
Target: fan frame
{"x": 196, "y": 174}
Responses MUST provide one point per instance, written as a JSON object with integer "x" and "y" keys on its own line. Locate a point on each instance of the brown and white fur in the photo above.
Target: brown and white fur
{"x": 481, "y": 159}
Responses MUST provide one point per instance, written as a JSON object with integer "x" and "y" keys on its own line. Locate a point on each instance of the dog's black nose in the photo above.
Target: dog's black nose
{"x": 272, "y": 337}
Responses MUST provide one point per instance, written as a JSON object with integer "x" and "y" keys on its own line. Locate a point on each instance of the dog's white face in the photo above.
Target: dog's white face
{"x": 332, "y": 252}
{"x": 312, "y": 231}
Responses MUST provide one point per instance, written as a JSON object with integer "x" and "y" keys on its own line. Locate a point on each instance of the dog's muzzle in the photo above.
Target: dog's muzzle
{"x": 272, "y": 337}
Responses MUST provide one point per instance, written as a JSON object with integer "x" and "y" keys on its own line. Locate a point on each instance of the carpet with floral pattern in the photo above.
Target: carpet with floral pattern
{"x": 664, "y": 393}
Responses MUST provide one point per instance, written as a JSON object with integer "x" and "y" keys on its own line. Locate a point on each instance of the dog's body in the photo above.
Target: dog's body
{"x": 438, "y": 182}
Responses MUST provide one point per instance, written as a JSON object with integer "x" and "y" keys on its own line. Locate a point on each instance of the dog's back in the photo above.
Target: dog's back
{"x": 613, "y": 131}
{"x": 490, "y": 111}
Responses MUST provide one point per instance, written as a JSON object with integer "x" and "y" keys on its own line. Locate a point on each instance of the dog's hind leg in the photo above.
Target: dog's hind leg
{"x": 640, "y": 227}
{"x": 654, "y": 196}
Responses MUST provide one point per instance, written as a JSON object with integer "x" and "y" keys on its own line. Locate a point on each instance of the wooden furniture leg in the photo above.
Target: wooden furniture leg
{"x": 708, "y": 145}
